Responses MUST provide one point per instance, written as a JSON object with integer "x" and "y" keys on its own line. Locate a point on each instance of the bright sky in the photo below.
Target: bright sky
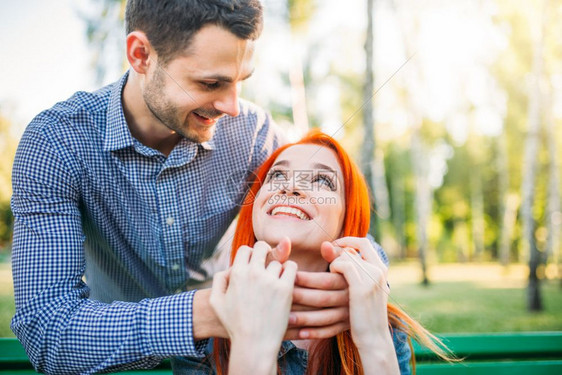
{"x": 45, "y": 58}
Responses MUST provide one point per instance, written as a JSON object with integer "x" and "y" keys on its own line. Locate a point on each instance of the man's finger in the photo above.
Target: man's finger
{"x": 292, "y": 334}
{"x": 320, "y": 298}
{"x": 319, "y": 318}
{"x": 322, "y": 332}
{"x": 320, "y": 280}
{"x": 299, "y": 307}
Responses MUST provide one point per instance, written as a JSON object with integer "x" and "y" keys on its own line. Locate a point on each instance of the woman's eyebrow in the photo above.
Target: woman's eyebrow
{"x": 323, "y": 167}
{"x": 281, "y": 162}
{"x": 319, "y": 166}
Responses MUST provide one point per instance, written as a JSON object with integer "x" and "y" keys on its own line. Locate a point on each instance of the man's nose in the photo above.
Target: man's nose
{"x": 228, "y": 101}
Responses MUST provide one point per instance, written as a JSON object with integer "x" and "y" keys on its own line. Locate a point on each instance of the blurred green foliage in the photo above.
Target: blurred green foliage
{"x": 8, "y": 145}
{"x": 482, "y": 167}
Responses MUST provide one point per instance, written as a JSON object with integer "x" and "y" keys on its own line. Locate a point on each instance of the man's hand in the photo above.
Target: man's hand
{"x": 206, "y": 323}
{"x": 320, "y": 301}
{"x": 320, "y": 306}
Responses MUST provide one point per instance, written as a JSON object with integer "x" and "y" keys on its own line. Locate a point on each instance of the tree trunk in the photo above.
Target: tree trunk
{"x": 423, "y": 199}
{"x": 529, "y": 174}
{"x": 477, "y": 203}
{"x": 367, "y": 151}
{"x": 379, "y": 182}
{"x": 511, "y": 205}
{"x": 398, "y": 213}
{"x": 508, "y": 203}
{"x": 423, "y": 196}
{"x": 298, "y": 92}
{"x": 554, "y": 215}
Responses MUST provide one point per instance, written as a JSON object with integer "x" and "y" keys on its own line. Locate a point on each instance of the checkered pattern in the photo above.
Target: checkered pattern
{"x": 101, "y": 218}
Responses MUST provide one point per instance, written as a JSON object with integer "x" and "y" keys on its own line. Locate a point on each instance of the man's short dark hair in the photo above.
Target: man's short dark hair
{"x": 170, "y": 24}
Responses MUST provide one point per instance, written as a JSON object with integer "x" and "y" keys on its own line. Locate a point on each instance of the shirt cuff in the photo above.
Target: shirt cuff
{"x": 169, "y": 327}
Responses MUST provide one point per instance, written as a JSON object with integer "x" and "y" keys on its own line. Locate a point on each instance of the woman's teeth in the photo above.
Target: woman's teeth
{"x": 284, "y": 210}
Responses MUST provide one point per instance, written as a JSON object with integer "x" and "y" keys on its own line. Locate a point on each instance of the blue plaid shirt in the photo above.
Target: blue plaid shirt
{"x": 109, "y": 233}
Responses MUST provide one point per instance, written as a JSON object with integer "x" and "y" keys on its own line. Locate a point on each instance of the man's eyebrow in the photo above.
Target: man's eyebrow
{"x": 222, "y": 78}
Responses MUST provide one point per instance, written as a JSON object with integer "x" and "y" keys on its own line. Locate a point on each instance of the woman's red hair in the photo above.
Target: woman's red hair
{"x": 336, "y": 355}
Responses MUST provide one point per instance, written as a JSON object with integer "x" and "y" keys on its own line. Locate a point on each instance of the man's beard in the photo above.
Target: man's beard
{"x": 167, "y": 113}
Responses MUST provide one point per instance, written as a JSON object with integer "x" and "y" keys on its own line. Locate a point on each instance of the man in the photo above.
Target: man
{"x": 120, "y": 194}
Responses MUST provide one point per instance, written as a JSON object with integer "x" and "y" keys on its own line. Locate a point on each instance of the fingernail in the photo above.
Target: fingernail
{"x": 292, "y": 319}
{"x": 304, "y": 334}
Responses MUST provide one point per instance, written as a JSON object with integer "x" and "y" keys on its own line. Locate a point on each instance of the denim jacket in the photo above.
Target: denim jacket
{"x": 291, "y": 360}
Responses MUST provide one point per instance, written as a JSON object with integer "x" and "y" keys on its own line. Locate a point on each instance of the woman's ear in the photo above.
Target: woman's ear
{"x": 138, "y": 51}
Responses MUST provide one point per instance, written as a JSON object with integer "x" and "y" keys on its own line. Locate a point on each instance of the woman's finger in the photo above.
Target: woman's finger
{"x": 275, "y": 268}
{"x": 329, "y": 251}
{"x": 219, "y": 287}
{"x": 281, "y": 252}
{"x": 261, "y": 249}
{"x": 349, "y": 268}
{"x": 364, "y": 246}
{"x": 289, "y": 272}
{"x": 242, "y": 256}
{"x": 360, "y": 274}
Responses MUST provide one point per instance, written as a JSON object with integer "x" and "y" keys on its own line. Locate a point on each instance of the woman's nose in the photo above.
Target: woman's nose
{"x": 294, "y": 186}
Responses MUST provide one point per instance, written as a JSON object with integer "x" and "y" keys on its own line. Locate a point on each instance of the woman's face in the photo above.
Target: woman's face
{"x": 302, "y": 198}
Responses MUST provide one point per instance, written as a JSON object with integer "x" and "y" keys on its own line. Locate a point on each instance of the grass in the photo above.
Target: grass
{"x": 7, "y": 307}
{"x": 461, "y": 298}
{"x": 475, "y": 298}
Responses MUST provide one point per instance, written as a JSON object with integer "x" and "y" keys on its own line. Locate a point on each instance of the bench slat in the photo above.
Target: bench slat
{"x": 496, "y": 354}
{"x": 11, "y": 350}
{"x": 492, "y": 368}
{"x": 500, "y": 345}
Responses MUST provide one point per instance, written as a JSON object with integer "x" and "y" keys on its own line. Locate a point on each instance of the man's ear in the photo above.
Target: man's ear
{"x": 139, "y": 51}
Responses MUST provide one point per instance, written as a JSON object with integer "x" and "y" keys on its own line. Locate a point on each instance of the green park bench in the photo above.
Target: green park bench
{"x": 529, "y": 353}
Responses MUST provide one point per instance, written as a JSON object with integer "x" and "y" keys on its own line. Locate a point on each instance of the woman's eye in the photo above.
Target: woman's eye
{"x": 276, "y": 175}
{"x": 324, "y": 181}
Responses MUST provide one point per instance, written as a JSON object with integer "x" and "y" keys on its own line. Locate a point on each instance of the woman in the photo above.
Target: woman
{"x": 313, "y": 194}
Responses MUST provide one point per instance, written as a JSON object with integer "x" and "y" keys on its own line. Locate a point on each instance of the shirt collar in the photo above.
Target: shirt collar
{"x": 117, "y": 133}
{"x": 209, "y": 145}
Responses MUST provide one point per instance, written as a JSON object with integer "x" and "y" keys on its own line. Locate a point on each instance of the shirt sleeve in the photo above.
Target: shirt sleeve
{"x": 62, "y": 330}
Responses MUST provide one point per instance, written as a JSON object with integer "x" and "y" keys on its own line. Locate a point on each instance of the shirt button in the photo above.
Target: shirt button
{"x": 170, "y": 221}
{"x": 175, "y": 267}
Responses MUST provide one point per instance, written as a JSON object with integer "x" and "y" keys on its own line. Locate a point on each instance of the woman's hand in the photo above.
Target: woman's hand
{"x": 253, "y": 302}
{"x": 366, "y": 276}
